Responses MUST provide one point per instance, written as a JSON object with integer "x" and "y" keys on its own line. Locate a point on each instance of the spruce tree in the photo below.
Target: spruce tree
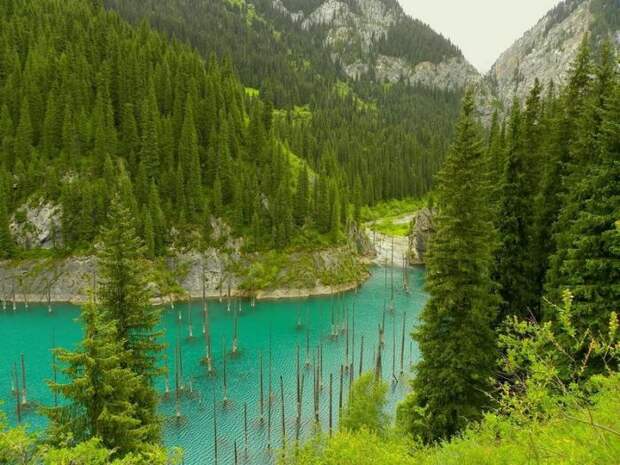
{"x": 532, "y": 138}
{"x": 24, "y": 134}
{"x": 512, "y": 269}
{"x": 334, "y": 221}
{"x": 130, "y": 142}
{"x": 216, "y": 197}
{"x": 283, "y": 216}
{"x": 587, "y": 262}
{"x": 7, "y": 156}
{"x": 148, "y": 234}
{"x": 456, "y": 338}
{"x": 189, "y": 159}
{"x": 7, "y": 246}
{"x": 157, "y": 215}
{"x": 357, "y": 200}
{"x": 99, "y": 390}
{"x": 124, "y": 298}
{"x": 301, "y": 197}
{"x": 149, "y": 151}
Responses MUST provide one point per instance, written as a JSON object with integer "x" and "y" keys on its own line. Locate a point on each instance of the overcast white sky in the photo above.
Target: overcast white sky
{"x": 482, "y": 29}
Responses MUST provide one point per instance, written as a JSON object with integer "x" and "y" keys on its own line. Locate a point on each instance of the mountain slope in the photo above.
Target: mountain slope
{"x": 91, "y": 107}
{"x": 377, "y": 38}
{"x": 546, "y": 51}
{"x": 387, "y": 137}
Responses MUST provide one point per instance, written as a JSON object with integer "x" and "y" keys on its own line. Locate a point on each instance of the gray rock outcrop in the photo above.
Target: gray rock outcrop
{"x": 545, "y": 52}
{"x": 215, "y": 273}
{"x": 360, "y": 26}
{"x": 37, "y": 225}
{"x": 422, "y": 228}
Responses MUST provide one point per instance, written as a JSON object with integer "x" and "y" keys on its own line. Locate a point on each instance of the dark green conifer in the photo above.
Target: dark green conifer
{"x": 301, "y": 197}
{"x": 7, "y": 245}
{"x": 149, "y": 151}
{"x": 513, "y": 263}
{"x": 587, "y": 259}
{"x": 124, "y": 298}
{"x": 99, "y": 390}
{"x": 24, "y": 134}
{"x": 453, "y": 383}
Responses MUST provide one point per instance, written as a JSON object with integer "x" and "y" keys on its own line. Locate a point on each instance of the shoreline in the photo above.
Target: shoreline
{"x": 278, "y": 294}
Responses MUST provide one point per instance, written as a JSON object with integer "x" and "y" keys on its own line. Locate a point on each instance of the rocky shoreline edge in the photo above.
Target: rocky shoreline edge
{"x": 67, "y": 281}
{"x": 265, "y": 295}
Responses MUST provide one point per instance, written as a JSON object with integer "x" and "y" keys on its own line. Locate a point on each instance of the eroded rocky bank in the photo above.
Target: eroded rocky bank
{"x": 213, "y": 274}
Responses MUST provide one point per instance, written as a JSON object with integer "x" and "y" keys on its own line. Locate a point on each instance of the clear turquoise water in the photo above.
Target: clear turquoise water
{"x": 34, "y": 331}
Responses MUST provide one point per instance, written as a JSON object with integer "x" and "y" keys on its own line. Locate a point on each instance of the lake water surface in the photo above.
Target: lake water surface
{"x": 284, "y": 326}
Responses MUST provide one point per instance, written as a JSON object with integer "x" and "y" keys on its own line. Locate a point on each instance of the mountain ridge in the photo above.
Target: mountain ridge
{"x": 547, "y": 50}
{"x": 377, "y": 38}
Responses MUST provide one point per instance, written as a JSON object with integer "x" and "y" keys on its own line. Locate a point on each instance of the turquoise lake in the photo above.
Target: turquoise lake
{"x": 284, "y": 326}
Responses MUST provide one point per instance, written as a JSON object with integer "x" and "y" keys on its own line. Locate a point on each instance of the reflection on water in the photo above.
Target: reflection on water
{"x": 320, "y": 334}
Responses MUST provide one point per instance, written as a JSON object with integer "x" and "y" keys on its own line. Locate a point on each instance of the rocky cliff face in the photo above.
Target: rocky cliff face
{"x": 364, "y": 25}
{"x": 358, "y": 25}
{"x": 36, "y": 225}
{"x": 422, "y": 228}
{"x": 214, "y": 272}
{"x": 547, "y": 51}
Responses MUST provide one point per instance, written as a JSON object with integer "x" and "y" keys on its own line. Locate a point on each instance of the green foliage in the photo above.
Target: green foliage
{"x": 549, "y": 360}
{"x": 93, "y": 453}
{"x": 386, "y": 135}
{"x": 577, "y": 434}
{"x": 99, "y": 390}
{"x": 513, "y": 257}
{"x": 392, "y": 209}
{"x": 453, "y": 382}
{"x": 123, "y": 296}
{"x": 180, "y": 133}
{"x": 109, "y": 390}
{"x": 16, "y": 445}
{"x": 559, "y": 196}
{"x": 365, "y": 409}
{"x": 359, "y": 448}
{"x": 299, "y": 269}
{"x": 19, "y": 448}
{"x": 416, "y": 42}
{"x": 7, "y": 245}
{"x": 586, "y": 260}
{"x": 391, "y": 228}
{"x": 573, "y": 436}
{"x": 539, "y": 417}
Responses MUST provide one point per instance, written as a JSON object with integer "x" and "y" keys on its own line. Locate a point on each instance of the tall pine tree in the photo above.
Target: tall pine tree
{"x": 513, "y": 270}
{"x": 587, "y": 262}
{"x": 124, "y": 297}
{"x": 99, "y": 390}
{"x": 456, "y": 338}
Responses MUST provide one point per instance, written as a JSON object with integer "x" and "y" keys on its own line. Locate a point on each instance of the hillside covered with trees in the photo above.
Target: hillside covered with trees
{"x": 392, "y": 136}
{"x": 91, "y": 106}
{"x": 144, "y": 140}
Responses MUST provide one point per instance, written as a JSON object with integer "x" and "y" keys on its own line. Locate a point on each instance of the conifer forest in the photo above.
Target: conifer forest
{"x": 307, "y": 232}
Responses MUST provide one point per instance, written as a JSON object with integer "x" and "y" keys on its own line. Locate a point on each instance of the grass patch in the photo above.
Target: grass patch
{"x": 297, "y": 165}
{"x": 575, "y": 436}
{"x": 393, "y": 209}
{"x": 390, "y": 228}
{"x": 299, "y": 269}
{"x": 252, "y": 92}
{"x": 298, "y": 113}
{"x": 344, "y": 90}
